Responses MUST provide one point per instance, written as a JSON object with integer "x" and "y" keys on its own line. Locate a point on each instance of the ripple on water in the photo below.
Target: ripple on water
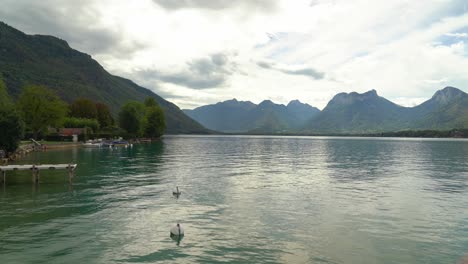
{"x": 247, "y": 200}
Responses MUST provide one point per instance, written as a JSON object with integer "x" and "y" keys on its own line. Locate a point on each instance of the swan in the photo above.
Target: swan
{"x": 177, "y": 230}
{"x": 177, "y": 192}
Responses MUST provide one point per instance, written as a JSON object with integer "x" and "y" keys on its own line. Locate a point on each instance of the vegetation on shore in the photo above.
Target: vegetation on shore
{"x": 452, "y": 133}
{"x": 11, "y": 124}
{"x": 39, "y": 113}
{"x": 142, "y": 120}
{"x": 40, "y": 108}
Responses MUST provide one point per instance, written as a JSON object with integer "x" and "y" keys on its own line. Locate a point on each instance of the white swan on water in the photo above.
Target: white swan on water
{"x": 177, "y": 230}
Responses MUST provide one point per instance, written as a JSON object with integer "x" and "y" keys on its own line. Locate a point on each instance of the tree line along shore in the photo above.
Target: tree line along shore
{"x": 428, "y": 133}
{"x": 40, "y": 114}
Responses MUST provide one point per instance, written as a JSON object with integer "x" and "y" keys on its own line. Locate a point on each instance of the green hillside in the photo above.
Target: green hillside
{"x": 46, "y": 60}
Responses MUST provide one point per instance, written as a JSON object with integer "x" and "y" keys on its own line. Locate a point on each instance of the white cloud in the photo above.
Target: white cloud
{"x": 457, "y": 35}
{"x": 310, "y": 50}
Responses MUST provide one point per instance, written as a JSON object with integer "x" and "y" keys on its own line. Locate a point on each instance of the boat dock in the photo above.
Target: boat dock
{"x": 35, "y": 169}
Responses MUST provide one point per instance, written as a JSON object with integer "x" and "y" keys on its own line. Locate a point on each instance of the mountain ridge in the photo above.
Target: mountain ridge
{"x": 50, "y": 61}
{"x": 233, "y": 116}
{"x": 355, "y": 112}
{"x": 368, "y": 112}
{"x": 346, "y": 113}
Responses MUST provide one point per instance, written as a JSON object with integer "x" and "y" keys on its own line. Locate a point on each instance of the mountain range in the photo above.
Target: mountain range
{"x": 234, "y": 116}
{"x": 50, "y": 61}
{"x": 47, "y": 60}
{"x": 345, "y": 113}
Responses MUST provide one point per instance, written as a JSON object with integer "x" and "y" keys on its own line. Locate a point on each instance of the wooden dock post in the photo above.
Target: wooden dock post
{"x": 71, "y": 173}
{"x": 3, "y": 179}
{"x": 35, "y": 174}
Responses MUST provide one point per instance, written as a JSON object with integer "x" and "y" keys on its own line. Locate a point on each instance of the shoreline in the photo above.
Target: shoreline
{"x": 452, "y": 133}
{"x": 61, "y": 146}
{"x": 25, "y": 149}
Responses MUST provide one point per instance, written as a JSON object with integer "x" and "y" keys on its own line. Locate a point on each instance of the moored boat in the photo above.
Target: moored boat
{"x": 92, "y": 145}
{"x": 120, "y": 143}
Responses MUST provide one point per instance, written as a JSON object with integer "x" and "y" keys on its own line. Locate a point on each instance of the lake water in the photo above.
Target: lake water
{"x": 244, "y": 200}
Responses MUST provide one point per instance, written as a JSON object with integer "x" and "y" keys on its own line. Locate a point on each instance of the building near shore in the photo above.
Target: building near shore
{"x": 72, "y": 131}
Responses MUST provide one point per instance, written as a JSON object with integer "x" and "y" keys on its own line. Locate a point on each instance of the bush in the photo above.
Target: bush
{"x": 11, "y": 129}
{"x": 73, "y": 122}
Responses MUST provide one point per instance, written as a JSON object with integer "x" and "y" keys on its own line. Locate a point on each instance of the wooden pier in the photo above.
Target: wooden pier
{"x": 35, "y": 169}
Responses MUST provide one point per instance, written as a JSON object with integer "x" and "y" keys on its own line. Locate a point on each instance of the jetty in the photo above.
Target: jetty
{"x": 36, "y": 169}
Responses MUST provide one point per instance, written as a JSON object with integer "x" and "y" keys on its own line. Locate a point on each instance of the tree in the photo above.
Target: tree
{"x": 154, "y": 122}
{"x": 150, "y": 101}
{"x": 73, "y": 122}
{"x": 12, "y": 127}
{"x": 83, "y": 108}
{"x": 5, "y": 99}
{"x": 104, "y": 115}
{"x": 131, "y": 117}
{"x": 142, "y": 119}
{"x": 41, "y": 108}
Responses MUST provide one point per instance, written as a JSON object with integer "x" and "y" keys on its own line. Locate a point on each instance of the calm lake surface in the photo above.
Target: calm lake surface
{"x": 244, "y": 200}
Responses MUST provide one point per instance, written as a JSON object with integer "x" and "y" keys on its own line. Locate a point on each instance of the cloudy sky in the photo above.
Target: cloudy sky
{"x": 196, "y": 52}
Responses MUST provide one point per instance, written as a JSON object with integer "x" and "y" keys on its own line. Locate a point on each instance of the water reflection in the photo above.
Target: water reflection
{"x": 176, "y": 238}
{"x": 362, "y": 159}
{"x": 446, "y": 166}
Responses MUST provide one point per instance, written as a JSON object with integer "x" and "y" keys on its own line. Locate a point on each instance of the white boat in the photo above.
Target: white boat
{"x": 92, "y": 145}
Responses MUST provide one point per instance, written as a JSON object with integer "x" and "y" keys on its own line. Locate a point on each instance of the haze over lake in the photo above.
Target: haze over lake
{"x": 245, "y": 199}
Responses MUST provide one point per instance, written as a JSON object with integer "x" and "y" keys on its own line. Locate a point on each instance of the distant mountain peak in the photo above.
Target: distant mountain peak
{"x": 235, "y": 103}
{"x": 266, "y": 117}
{"x": 371, "y": 92}
{"x": 266, "y": 102}
{"x": 450, "y": 90}
{"x": 447, "y": 95}
{"x": 298, "y": 105}
{"x": 350, "y": 98}
{"x": 232, "y": 101}
{"x": 295, "y": 103}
